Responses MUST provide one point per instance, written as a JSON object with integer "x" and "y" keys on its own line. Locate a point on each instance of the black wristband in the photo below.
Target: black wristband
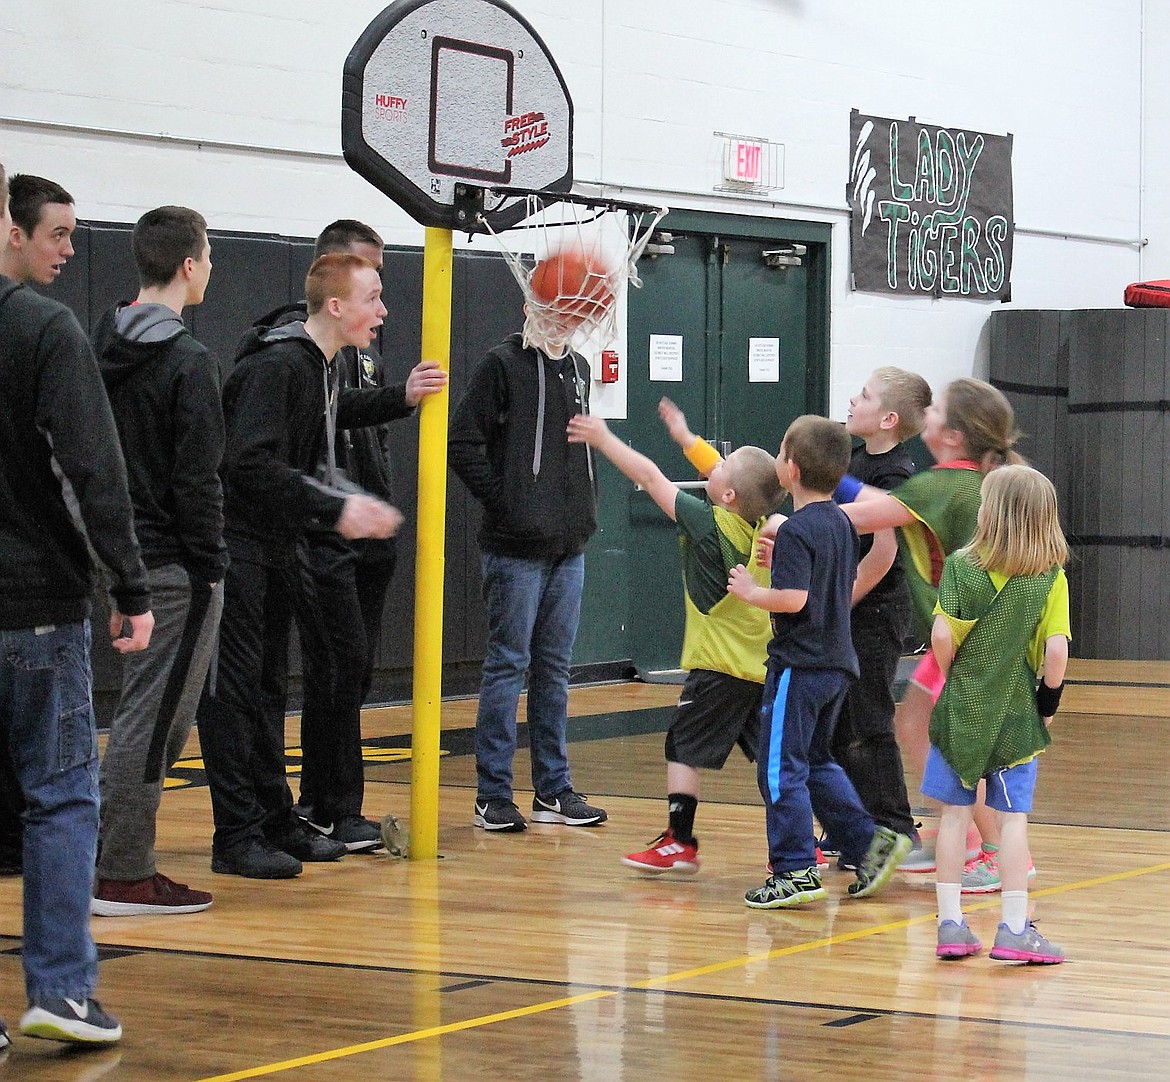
{"x": 1048, "y": 699}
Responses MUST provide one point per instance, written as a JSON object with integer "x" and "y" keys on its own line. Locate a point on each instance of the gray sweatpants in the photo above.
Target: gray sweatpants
{"x": 161, "y": 686}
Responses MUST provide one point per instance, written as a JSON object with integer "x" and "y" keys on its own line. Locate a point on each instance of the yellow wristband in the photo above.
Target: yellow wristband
{"x": 702, "y": 456}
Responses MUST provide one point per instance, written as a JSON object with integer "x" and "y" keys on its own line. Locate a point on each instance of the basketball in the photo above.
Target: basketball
{"x": 572, "y": 283}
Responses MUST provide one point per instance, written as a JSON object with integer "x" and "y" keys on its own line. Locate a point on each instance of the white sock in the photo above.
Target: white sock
{"x": 950, "y": 902}
{"x": 1015, "y": 910}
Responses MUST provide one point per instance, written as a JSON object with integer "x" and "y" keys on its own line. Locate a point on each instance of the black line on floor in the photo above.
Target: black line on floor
{"x": 465, "y": 985}
{"x": 576, "y": 988}
{"x": 852, "y": 1020}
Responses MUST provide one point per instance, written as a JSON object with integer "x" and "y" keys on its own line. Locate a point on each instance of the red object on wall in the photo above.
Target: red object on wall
{"x": 1148, "y": 294}
{"x": 609, "y": 366}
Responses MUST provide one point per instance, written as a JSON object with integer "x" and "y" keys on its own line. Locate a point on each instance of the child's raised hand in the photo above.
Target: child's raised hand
{"x": 675, "y": 421}
{"x": 764, "y": 546}
{"x": 740, "y": 582}
{"x": 587, "y": 428}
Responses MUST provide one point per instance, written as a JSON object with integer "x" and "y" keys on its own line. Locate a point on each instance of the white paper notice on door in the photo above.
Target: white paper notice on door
{"x": 666, "y": 358}
{"x": 763, "y": 360}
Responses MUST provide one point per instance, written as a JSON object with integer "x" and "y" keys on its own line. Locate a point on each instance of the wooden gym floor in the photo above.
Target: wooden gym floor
{"x": 539, "y": 956}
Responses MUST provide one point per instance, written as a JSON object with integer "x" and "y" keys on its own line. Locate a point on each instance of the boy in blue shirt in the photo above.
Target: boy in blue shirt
{"x": 811, "y": 664}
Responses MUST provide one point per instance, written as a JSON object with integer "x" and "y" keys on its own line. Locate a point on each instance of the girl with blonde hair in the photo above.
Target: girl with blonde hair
{"x": 1001, "y": 624}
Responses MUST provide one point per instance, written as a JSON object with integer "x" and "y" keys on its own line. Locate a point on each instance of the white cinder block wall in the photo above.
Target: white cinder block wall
{"x": 232, "y": 106}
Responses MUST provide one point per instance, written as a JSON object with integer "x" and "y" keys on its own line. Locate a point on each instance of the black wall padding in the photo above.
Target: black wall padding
{"x": 252, "y": 275}
{"x": 1107, "y": 447}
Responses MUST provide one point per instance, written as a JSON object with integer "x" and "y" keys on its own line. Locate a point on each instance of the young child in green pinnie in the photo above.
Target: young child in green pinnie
{"x": 1001, "y": 624}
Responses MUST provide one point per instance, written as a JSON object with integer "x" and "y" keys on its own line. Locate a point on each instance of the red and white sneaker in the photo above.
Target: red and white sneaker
{"x": 666, "y": 854}
{"x": 822, "y": 862}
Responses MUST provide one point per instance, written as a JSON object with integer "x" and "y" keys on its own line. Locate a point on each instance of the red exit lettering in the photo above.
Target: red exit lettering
{"x": 747, "y": 161}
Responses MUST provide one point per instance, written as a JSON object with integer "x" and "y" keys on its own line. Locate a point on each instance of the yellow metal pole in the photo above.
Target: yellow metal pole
{"x": 429, "y": 561}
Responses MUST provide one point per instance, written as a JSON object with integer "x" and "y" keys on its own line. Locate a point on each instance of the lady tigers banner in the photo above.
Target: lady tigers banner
{"x": 931, "y": 209}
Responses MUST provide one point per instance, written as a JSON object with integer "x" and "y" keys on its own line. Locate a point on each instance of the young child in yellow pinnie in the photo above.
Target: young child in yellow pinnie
{"x": 725, "y": 641}
{"x": 1002, "y": 620}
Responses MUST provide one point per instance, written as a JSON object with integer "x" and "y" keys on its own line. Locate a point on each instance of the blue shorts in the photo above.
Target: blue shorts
{"x": 1009, "y": 789}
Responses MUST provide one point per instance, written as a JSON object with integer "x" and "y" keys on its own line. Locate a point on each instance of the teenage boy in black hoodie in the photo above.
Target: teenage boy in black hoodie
{"x": 279, "y": 412}
{"x": 509, "y": 445}
{"x": 55, "y": 423}
{"x": 343, "y": 584}
{"x": 164, "y": 391}
{"x": 39, "y": 242}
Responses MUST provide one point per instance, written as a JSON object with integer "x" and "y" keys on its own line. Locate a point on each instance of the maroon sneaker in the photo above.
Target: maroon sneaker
{"x": 146, "y": 897}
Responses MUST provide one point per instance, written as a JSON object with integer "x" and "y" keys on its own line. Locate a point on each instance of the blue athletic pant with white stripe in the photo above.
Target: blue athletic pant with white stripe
{"x": 797, "y": 774}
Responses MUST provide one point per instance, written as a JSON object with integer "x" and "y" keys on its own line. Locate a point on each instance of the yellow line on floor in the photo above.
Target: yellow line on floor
{"x": 652, "y": 982}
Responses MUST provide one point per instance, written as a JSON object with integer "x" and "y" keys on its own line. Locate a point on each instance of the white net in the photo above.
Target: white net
{"x": 580, "y": 257}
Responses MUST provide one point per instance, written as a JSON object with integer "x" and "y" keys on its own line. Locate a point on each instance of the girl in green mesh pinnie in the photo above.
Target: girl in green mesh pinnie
{"x": 1001, "y": 622}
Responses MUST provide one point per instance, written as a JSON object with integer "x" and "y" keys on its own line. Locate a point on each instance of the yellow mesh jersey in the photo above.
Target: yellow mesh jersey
{"x": 722, "y": 633}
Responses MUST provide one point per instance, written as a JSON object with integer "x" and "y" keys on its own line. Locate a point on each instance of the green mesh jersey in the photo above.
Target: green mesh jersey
{"x": 722, "y": 634}
{"x": 944, "y": 501}
{"x": 986, "y": 716}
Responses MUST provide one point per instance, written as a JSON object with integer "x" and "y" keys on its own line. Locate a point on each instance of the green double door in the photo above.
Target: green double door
{"x": 754, "y": 344}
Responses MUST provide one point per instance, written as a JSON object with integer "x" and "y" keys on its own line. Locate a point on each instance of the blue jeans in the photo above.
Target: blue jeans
{"x": 46, "y": 719}
{"x": 533, "y": 607}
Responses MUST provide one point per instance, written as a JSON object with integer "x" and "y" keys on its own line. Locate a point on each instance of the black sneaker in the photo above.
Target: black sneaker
{"x": 255, "y": 859}
{"x": 76, "y": 1020}
{"x": 785, "y": 889}
{"x": 357, "y": 834}
{"x": 501, "y": 815}
{"x": 5, "y": 1040}
{"x": 299, "y": 840}
{"x": 881, "y": 860}
{"x": 569, "y": 808}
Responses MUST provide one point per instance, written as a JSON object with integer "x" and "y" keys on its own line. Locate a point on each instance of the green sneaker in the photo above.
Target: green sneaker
{"x": 885, "y": 852}
{"x": 786, "y": 889}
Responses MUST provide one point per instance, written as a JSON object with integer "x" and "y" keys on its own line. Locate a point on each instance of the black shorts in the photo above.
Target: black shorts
{"x": 715, "y": 712}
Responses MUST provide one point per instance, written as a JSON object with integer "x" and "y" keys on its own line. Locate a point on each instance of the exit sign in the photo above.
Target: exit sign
{"x": 744, "y": 162}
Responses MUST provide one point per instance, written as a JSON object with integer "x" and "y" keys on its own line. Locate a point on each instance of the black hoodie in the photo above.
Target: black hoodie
{"x": 55, "y": 420}
{"x": 508, "y": 446}
{"x": 278, "y": 431}
{"x": 164, "y": 390}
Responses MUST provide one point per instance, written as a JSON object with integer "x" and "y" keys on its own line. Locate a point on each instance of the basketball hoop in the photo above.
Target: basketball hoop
{"x": 583, "y": 251}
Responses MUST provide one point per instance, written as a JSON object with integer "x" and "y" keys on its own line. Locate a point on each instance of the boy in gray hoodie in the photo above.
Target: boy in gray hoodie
{"x": 164, "y": 389}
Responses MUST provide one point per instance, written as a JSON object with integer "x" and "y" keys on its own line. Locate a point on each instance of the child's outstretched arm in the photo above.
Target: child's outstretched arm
{"x": 875, "y": 509}
{"x": 741, "y": 583}
{"x": 699, "y": 452}
{"x": 591, "y": 429}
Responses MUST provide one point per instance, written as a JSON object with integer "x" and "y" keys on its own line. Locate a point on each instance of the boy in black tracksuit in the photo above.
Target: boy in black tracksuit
{"x": 279, "y": 410}
{"x": 343, "y": 583}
